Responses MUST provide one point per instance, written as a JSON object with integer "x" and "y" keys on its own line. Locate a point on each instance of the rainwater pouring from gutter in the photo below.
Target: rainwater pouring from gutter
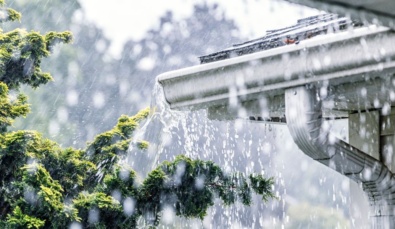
{"x": 283, "y": 73}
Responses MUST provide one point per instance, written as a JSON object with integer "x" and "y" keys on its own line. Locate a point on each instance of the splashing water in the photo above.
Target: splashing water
{"x": 238, "y": 145}
{"x": 158, "y": 129}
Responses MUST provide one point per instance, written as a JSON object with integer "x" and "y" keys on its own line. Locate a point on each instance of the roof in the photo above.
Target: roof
{"x": 305, "y": 28}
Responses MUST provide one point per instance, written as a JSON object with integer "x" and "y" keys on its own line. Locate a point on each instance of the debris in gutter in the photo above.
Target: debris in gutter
{"x": 305, "y": 28}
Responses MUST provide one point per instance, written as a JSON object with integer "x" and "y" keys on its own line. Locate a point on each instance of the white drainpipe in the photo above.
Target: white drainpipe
{"x": 303, "y": 110}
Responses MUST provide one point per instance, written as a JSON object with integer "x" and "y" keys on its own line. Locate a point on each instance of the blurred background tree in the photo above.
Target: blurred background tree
{"x": 93, "y": 88}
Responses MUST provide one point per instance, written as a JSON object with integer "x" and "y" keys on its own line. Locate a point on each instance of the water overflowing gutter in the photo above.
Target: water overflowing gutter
{"x": 356, "y": 57}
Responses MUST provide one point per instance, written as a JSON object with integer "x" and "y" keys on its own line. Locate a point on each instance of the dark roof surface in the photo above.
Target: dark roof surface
{"x": 305, "y": 28}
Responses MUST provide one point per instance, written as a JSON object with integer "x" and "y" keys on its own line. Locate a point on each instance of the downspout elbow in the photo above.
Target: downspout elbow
{"x": 305, "y": 123}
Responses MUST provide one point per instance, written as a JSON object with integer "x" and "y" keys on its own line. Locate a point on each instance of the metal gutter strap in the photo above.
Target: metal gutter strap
{"x": 305, "y": 123}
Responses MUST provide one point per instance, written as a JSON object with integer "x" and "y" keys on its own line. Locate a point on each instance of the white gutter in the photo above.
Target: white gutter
{"x": 335, "y": 58}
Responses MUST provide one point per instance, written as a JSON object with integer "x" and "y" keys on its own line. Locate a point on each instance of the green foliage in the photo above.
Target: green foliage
{"x": 8, "y": 14}
{"x": 262, "y": 185}
{"x": 50, "y": 193}
{"x": 13, "y": 15}
{"x": 190, "y": 186}
{"x": 97, "y": 199}
{"x": 11, "y": 109}
{"x": 20, "y": 220}
{"x": 122, "y": 180}
{"x": 21, "y": 53}
{"x": 55, "y": 176}
{"x": 45, "y": 186}
{"x": 107, "y": 148}
{"x": 53, "y": 38}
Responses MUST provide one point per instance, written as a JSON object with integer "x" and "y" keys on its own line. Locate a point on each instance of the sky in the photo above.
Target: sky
{"x": 131, "y": 19}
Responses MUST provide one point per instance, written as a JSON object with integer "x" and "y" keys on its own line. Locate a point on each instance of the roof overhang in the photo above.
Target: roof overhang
{"x": 353, "y": 68}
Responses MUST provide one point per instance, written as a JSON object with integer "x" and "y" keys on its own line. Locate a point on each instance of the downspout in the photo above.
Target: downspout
{"x": 305, "y": 123}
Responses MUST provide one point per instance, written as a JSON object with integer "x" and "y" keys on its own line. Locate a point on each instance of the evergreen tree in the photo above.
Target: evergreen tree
{"x": 64, "y": 110}
{"x": 45, "y": 186}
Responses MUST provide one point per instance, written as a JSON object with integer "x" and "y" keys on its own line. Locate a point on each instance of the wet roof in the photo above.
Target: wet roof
{"x": 364, "y": 9}
{"x": 305, "y": 28}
